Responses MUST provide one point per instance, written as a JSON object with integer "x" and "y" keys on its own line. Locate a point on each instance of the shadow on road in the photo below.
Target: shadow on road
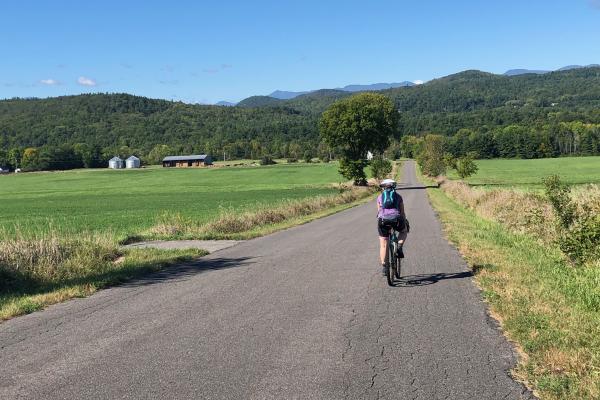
{"x": 188, "y": 269}
{"x": 430, "y": 279}
{"x": 416, "y": 187}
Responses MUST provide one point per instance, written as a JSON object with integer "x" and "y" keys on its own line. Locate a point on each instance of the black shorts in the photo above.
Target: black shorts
{"x": 384, "y": 226}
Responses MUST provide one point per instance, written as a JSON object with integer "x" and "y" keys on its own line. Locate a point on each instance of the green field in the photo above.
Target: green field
{"x": 502, "y": 172}
{"x": 125, "y": 202}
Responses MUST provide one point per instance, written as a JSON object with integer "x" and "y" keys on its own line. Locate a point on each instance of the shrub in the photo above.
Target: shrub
{"x": 579, "y": 225}
{"x": 465, "y": 166}
{"x": 267, "y": 160}
{"x": 380, "y": 167}
{"x": 307, "y": 157}
{"x": 581, "y": 243}
{"x": 558, "y": 194}
{"x": 292, "y": 160}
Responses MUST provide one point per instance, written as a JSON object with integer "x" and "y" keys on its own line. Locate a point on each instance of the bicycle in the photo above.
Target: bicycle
{"x": 393, "y": 264}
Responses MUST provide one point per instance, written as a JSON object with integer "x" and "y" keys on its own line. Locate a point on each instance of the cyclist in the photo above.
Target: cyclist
{"x": 390, "y": 214}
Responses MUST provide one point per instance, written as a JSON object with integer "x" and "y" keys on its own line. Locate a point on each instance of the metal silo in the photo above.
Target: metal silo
{"x": 115, "y": 163}
{"x": 132, "y": 162}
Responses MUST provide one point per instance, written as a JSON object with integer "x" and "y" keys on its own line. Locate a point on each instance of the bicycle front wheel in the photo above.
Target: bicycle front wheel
{"x": 398, "y": 267}
{"x": 391, "y": 263}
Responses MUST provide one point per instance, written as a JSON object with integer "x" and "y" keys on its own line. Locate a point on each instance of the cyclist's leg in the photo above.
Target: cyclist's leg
{"x": 402, "y": 236}
{"x": 401, "y": 232}
{"x": 383, "y": 232}
{"x": 382, "y": 248}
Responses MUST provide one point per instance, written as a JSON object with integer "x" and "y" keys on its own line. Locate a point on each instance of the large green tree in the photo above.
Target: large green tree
{"x": 357, "y": 125}
{"x": 431, "y": 159}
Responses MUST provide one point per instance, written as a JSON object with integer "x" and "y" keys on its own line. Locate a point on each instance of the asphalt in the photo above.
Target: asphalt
{"x": 300, "y": 314}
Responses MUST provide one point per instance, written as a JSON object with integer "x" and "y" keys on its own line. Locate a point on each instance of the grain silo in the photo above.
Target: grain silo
{"x": 132, "y": 162}
{"x": 115, "y": 163}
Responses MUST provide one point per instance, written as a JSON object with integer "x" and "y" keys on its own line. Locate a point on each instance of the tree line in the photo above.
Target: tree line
{"x": 528, "y": 116}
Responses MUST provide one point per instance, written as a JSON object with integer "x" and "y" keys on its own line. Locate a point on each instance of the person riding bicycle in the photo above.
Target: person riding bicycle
{"x": 390, "y": 214}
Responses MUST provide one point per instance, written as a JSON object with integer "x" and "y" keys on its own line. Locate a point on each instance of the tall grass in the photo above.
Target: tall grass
{"x": 43, "y": 270}
{"x": 230, "y": 222}
{"x": 532, "y": 213}
{"x": 50, "y": 259}
{"x": 522, "y": 212}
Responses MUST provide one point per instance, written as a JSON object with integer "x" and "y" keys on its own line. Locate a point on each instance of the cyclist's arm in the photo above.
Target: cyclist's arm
{"x": 401, "y": 207}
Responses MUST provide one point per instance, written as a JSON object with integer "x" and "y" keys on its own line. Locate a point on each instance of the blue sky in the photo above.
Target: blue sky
{"x": 200, "y": 51}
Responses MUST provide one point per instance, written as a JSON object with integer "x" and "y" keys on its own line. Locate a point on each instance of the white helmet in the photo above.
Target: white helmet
{"x": 388, "y": 183}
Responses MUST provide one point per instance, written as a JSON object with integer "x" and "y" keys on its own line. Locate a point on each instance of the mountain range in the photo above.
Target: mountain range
{"x": 288, "y": 95}
{"x": 515, "y": 72}
{"x": 274, "y": 97}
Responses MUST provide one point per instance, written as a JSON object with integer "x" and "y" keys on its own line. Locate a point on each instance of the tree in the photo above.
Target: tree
{"x": 157, "y": 154}
{"x": 4, "y": 162}
{"x": 14, "y": 157}
{"x": 431, "y": 159}
{"x": 410, "y": 146}
{"x": 30, "y": 158}
{"x": 356, "y": 125}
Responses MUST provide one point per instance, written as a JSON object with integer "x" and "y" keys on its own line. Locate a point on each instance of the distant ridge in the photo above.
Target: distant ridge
{"x": 570, "y": 67}
{"x": 225, "y": 104}
{"x": 287, "y": 95}
{"x": 514, "y": 72}
{"x": 376, "y": 86}
{"x": 259, "y": 101}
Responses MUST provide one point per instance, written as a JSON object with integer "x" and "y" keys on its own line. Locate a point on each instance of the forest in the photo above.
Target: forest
{"x": 524, "y": 116}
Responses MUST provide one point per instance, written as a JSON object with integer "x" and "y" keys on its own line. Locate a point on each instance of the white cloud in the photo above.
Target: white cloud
{"x": 50, "y": 82}
{"x": 418, "y": 82}
{"x": 86, "y": 81}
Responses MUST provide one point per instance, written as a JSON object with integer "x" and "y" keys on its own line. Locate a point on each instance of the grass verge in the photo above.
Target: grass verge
{"x": 548, "y": 309}
{"x": 35, "y": 273}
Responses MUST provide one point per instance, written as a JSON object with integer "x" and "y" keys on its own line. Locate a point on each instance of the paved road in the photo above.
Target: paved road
{"x": 301, "y": 314}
